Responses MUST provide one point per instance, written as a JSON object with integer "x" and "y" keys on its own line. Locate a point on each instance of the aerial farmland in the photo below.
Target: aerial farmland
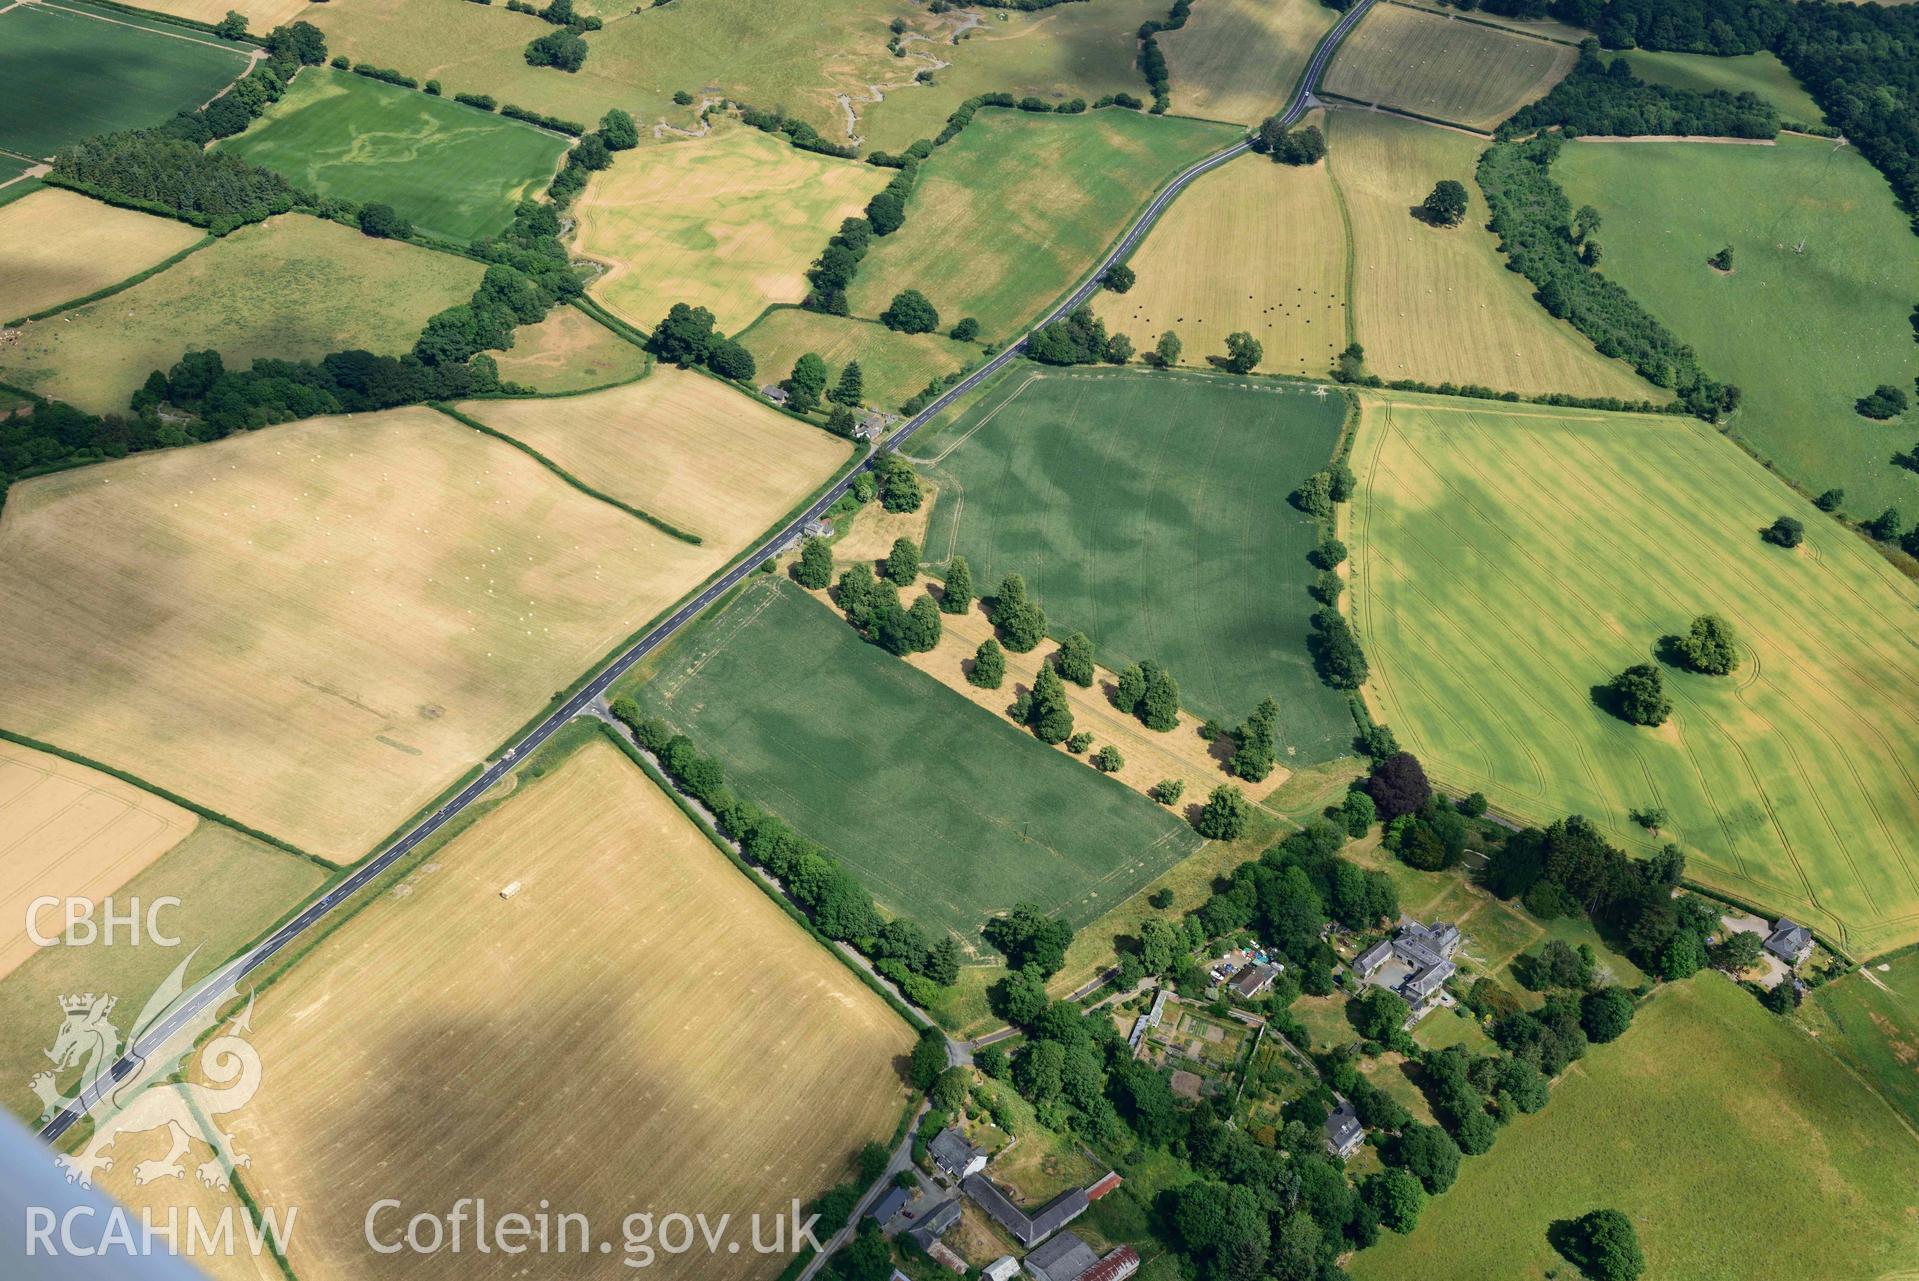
{"x": 860, "y": 640}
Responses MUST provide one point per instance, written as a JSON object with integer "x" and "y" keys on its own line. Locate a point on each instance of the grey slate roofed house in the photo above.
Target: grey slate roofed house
{"x": 936, "y": 1223}
{"x": 1253, "y": 980}
{"x": 1344, "y": 1133}
{"x": 1369, "y": 961}
{"x": 1424, "y": 956}
{"x": 1789, "y": 941}
{"x": 954, "y": 1156}
{"x": 889, "y": 1205}
{"x": 775, "y": 393}
{"x": 1064, "y": 1258}
{"x": 1026, "y": 1229}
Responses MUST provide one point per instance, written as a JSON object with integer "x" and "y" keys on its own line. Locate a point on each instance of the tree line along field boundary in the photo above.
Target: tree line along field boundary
{"x": 593, "y": 671}
{"x": 1462, "y": 16}
{"x": 664, "y": 526}
{"x": 1405, "y": 112}
{"x": 697, "y": 815}
{"x": 193, "y": 807}
{"x": 136, "y": 278}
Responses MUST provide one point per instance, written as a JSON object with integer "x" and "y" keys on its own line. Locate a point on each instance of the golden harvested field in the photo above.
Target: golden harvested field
{"x": 568, "y": 351}
{"x": 67, "y": 831}
{"x": 1549, "y": 28}
{"x": 698, "y": 454}
{"x": 1437, "y": 303}
{"x": 1149, "y": 756}
{"x": 1507, "y": 559}
{"x": 56, "y": 246}
{"x": 1238, "y": 60}
{"x": 728, "y": 222}
{"x": 230, "y": 888}
{"x": 1284, "y": 281}
{"x": 292, "y": 287}
{"x": 893, "y": 366}
{"x": 262, "y": 15}
{"x": 1465, "y": 72}
{"x": 639, "y": 1029}
{"x": 316, "y": 627}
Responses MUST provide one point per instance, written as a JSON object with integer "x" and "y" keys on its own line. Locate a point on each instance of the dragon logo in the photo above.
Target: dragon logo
{"x": 148, "y": 1097}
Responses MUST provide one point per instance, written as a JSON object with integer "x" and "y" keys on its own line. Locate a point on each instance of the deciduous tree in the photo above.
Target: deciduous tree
{"x": 956, "y": 594}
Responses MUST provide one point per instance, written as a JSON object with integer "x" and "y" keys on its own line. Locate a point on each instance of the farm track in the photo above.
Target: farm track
{"x": 224, "y": 982}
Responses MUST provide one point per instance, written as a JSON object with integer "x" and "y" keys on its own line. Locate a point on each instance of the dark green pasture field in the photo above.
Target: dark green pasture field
{"x": 946, "y": 812}
{"x": 68, "y": 72}
{"x": 1150, "y": 511}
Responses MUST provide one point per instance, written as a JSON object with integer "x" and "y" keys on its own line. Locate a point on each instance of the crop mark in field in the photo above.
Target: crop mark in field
{"x": 672, "y": 688}
{"x": 1681, "y": 460}
{"x": 972, "y": 431}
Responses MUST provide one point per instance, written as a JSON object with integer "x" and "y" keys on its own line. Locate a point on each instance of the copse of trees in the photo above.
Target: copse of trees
{"x": 1044, "y": 708}
{"x": 1030, "y": 939}
{"x": 1605, "y": 1247}
{"x": 1883, "y": 402}
{"x": 686, "y": 337}
{"x": 1599, "y": 99}
{"x": 561, "y": 50}
{"x": 1570, "y": 867}
{"x": 163, "y": 172}
{"x": 1710, "y": 646}
{"x": 814, "y": 568}
{"x": 278, "y": 391}
{"x": 1636, "y": 696}
{"x": 1787, "y": 531}
{"x": 1256, "y": 743}
{"x": 1533, "y": 220}
{"x": 1019, "y": 622}
{"x": 1288, "y": 146}
{"x": 1078, "y": 339}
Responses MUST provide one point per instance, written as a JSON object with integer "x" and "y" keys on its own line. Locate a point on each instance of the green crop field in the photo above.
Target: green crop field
{"x": 1497, "y": 583}
{"x": 457, "y": 172}
{"x": 1722, "y": 1132}
{"x": 1755, "y": 73}
{"x": 1871, "y": 1020}
{"x": 1008, "y": 214}
{"x": 68, "y": 71}
{"x": 1150, "y": 512}
{"x": 1814, "y": 313}
{"x": 946, "y": 812}
{"x": 1464, "y": 72}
